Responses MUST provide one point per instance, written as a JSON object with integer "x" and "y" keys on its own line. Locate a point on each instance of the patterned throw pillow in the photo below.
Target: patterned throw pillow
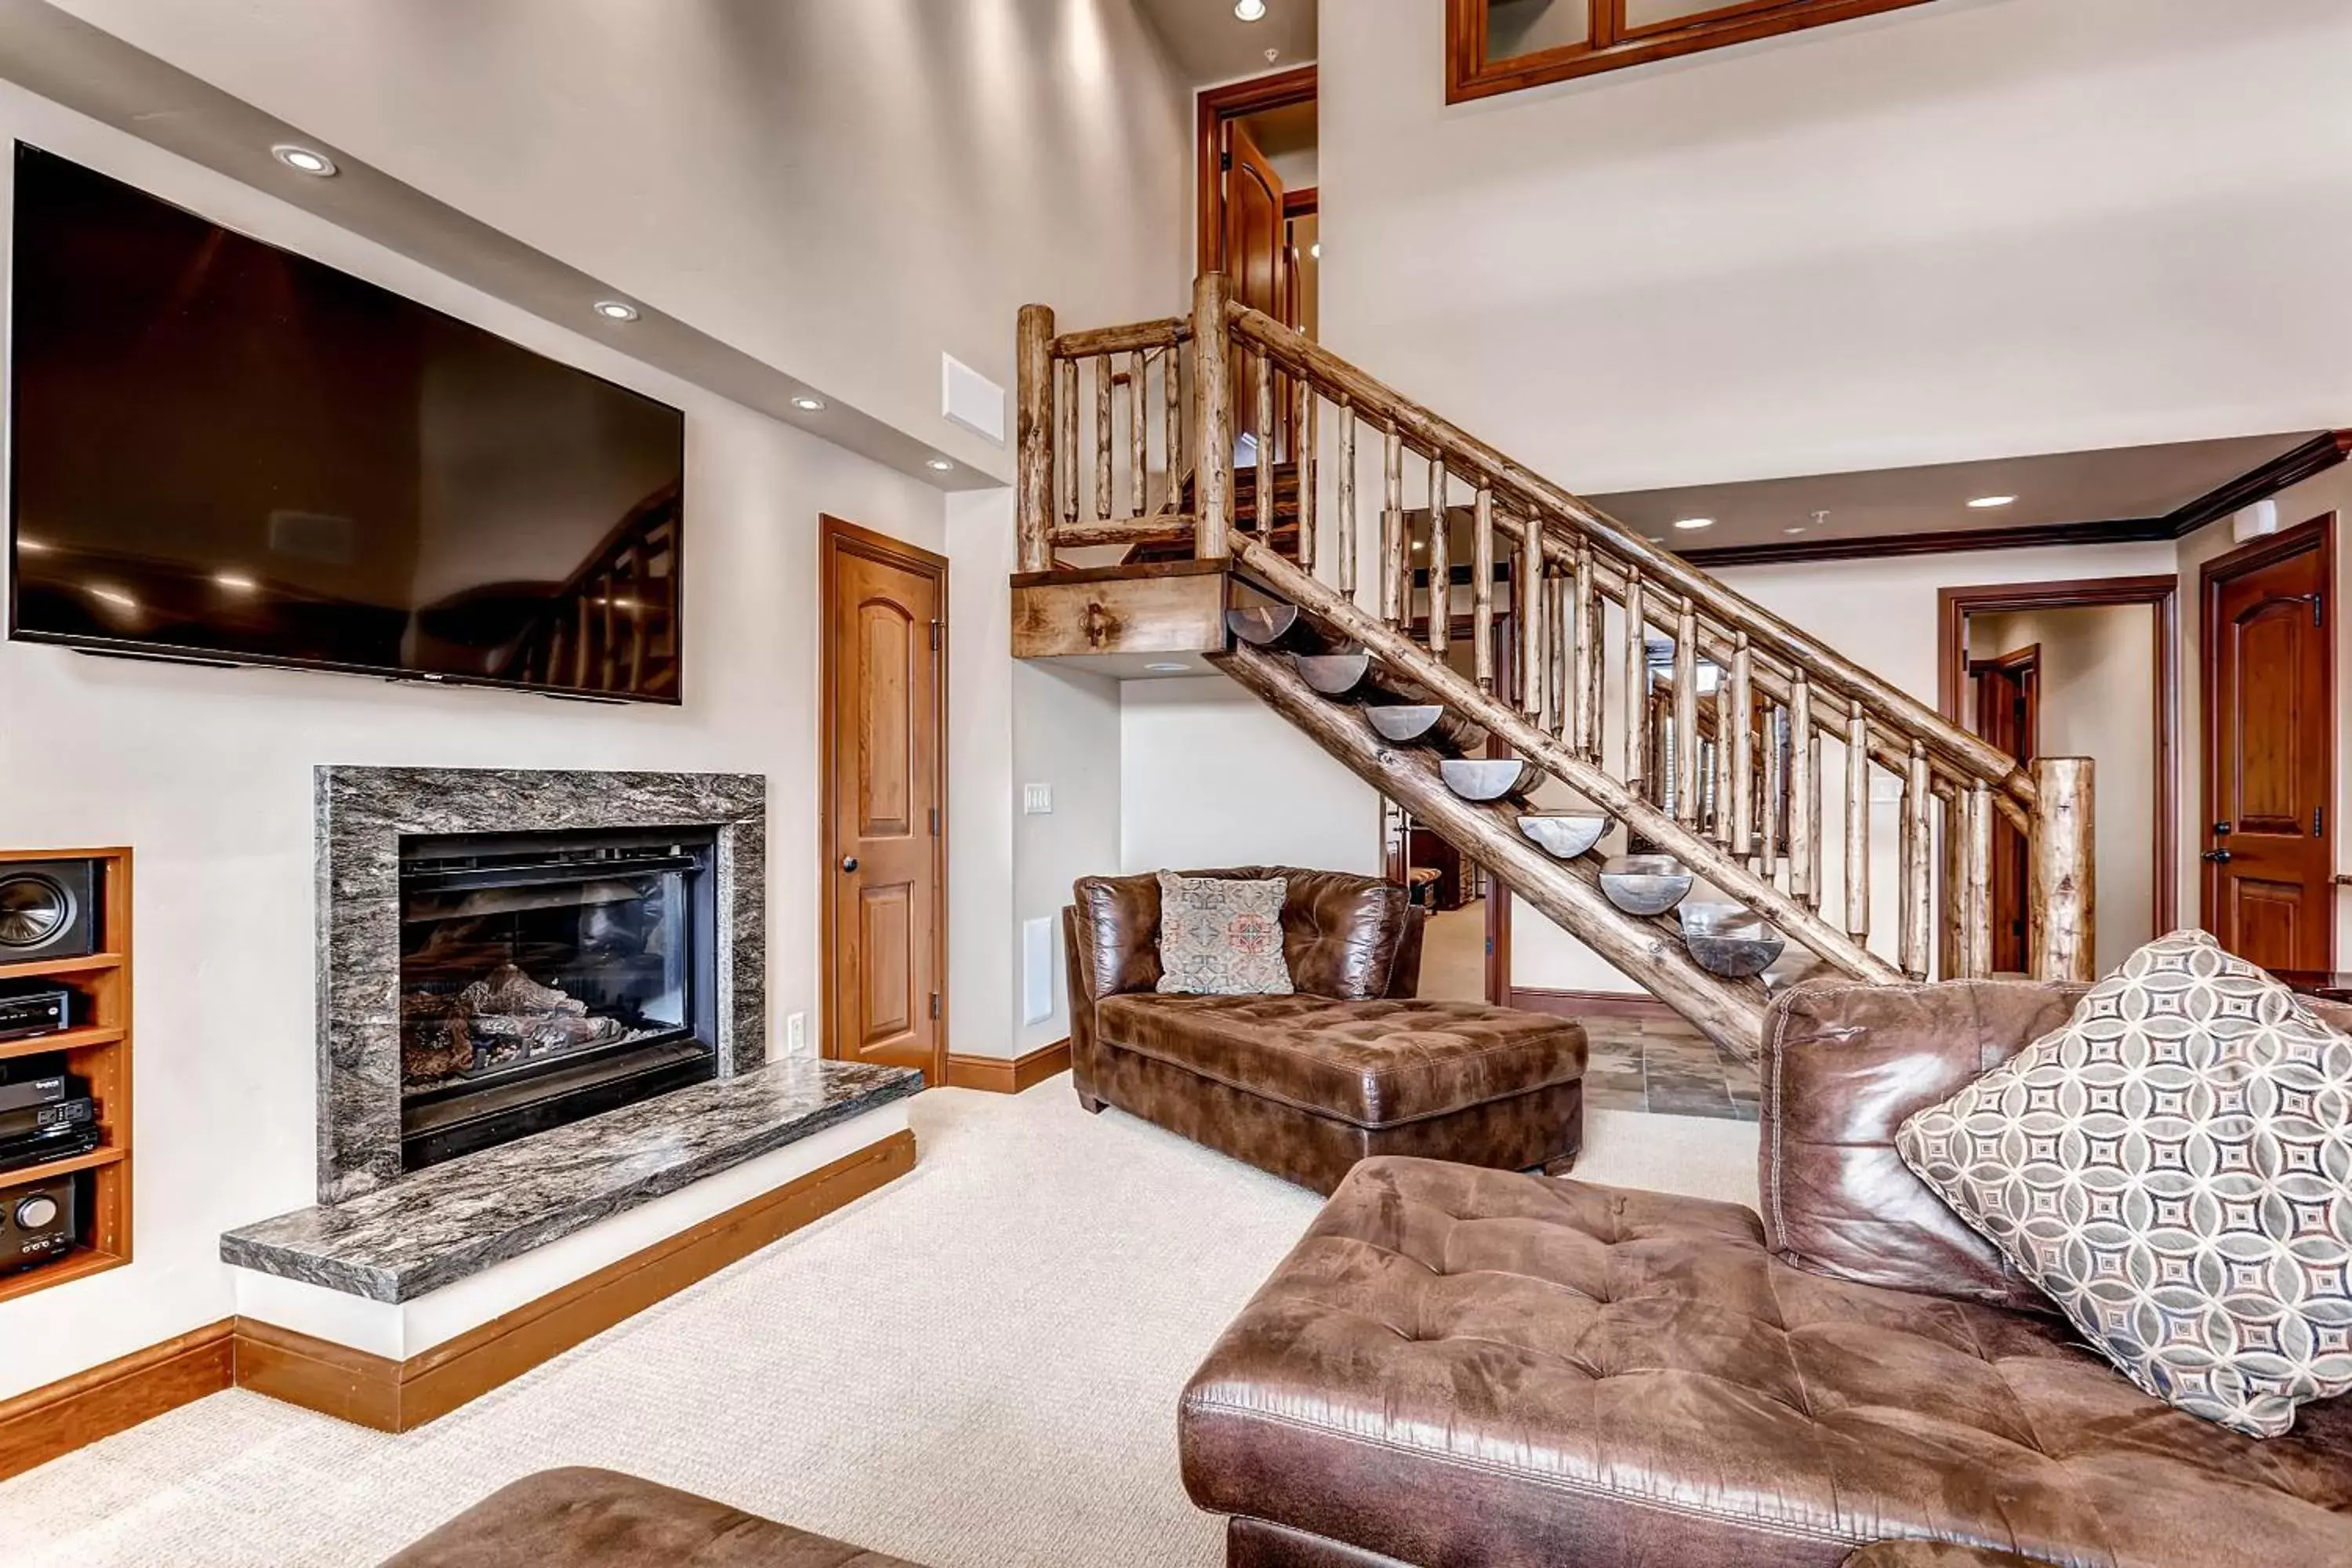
{"x": 2175, "y": 1168}
{"x": 1219, "y": 937}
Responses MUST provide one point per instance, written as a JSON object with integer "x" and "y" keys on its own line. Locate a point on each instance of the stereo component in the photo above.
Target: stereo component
{"x": 37, "y": 1221}
{"x": 40, "y": 1134}
{"x": 48, "y": 909}
{"x": 41, "y": 1010}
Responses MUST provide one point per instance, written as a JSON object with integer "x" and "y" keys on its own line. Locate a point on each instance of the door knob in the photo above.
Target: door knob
{"x": 849, "y": 862}
{"x": 2219, "y": 857}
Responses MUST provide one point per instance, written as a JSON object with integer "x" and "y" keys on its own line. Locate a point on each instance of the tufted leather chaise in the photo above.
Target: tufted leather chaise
{"x": 1461, "y": 1366}
{"x": 1352, "y": 1064}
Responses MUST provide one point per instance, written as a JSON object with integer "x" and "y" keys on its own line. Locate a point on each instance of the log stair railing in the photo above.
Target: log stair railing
{"x": 1711, "y": 730}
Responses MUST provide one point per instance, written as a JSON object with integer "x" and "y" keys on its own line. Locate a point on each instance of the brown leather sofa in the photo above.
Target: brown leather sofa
{"x": 1462, "y": 1366}
{"x": 582, "y": 1518}
{"x": 1354, "y": 1064}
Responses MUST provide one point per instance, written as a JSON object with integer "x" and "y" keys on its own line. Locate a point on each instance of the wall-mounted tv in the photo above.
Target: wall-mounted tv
{"x": 223, "y": 452}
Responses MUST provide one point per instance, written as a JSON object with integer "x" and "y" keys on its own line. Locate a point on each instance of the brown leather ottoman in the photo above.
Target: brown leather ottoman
{"x": 1352, "y": 1064}
{"x": 600, "y": 1519}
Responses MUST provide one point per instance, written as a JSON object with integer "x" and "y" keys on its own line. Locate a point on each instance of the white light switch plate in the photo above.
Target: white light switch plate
{"x": 796, "y": 1041}
{"x": 1038, "y": 800}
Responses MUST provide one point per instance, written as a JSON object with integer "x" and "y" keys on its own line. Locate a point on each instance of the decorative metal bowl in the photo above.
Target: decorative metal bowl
{"x": 1645, "y": 884}
{"x": 1564, "y": 835}
{"x": 1404, "y": 722}
{"x": 1482, "y": 778}
{"x": 1730, "y": 940}
{"x": 1334, "y": 674}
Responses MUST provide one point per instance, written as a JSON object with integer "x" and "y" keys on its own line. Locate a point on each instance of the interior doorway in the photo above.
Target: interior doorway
{"x": 1260, "y": 204}
{"x": 2083, "y": 668}
{"x": 884, "y": 738}
{"x": 2270, "y": 749}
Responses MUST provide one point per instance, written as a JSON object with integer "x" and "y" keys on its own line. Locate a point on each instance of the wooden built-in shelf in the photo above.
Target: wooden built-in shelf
{"x": 97, "y": 1049}
{"x": 59, "y": 968}
{"x": 78, "y": 1039}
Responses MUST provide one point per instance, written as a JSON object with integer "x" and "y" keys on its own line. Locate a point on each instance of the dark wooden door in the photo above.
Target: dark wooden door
{"x": 885, "y": 737}
{"x": 2008, "y": 705}
{"x": 1257, "y": 263}
{"x": 2269, "y": 738}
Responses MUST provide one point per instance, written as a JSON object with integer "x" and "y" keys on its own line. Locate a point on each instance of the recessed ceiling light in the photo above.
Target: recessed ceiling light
{"x": 235, "y": 581}
{"x": 808, "y": 405}
{"x": 1694, "y": 523}
{"x": 940, "y": 465}
{"x": 1986, "y": 503}
{"x": 1166, "y": 669}
{"x": 616, "y": 310}
{"x": 1249, "y": 10}
{"x": 307, "y": 160}
{"x": 1794, "y": 528}
{"x": 1655, "y": 538}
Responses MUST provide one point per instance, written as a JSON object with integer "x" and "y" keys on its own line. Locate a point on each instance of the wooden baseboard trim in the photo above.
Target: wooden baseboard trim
{"x": 1590, "y": 1004}
{"x": 401, "y": 1395}
{"x": 397, "y": 1395}
{"x": 1009, "y": 1075}
{"x": 37, "y": 1427}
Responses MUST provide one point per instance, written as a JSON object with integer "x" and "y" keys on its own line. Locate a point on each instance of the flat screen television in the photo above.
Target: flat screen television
{"x": 226, "y": 452}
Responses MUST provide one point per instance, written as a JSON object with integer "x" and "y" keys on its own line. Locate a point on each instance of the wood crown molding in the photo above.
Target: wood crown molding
{"x": 2313, "y": 457}
{"x": 1009, "y": 1075}
{"x": 399, "y": 1396}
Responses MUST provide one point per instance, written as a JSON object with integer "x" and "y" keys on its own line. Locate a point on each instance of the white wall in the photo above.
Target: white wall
{"x": 1211, "y": 776}
{"x": 207, "y": 773}
{"x": 842, "y": 190}
{"x": 2098, "y": 693}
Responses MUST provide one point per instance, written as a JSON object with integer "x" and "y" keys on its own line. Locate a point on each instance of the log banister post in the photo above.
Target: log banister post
{"x": 1034, "y": 438}
{"x": 2061, "y": 903}
{"x": 1213, "y": 413}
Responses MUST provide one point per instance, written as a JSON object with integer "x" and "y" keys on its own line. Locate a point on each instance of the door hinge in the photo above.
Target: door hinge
{"x": 938, "y": 634}
{"x": 935, "y": 1004}
{"x": 935, "y": 821}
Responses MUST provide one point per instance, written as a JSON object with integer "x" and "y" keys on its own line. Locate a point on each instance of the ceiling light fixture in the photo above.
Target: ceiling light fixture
{"x": 1796, "y": 528}
{"x": 616, "y": 310}
{"x": 940, "y": 465}
{"x": 808, "y": 405}
{"x": 1166, "y": 669}
{"x": 304, "y": 159}
{"x": 1694, "y": 523}
{"x": 1986, "y": 503}
{"x": 1249, "y": 10}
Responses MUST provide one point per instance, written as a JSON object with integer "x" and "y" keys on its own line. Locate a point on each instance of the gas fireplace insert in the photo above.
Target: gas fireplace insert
{"x": 549, "y": 977}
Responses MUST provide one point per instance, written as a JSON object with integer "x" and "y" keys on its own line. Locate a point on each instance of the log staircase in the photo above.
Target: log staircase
{"x": 1675, "y": 776}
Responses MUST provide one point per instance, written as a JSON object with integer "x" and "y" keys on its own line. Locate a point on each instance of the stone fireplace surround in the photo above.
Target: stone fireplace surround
{"x": 363, "y": 813}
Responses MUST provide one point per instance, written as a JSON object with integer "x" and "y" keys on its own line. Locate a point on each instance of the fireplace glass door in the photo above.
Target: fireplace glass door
{"x": 545, "y": 979}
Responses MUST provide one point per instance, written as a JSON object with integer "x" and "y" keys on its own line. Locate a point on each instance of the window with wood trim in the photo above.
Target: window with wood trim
{"x": 1501, "y": 46}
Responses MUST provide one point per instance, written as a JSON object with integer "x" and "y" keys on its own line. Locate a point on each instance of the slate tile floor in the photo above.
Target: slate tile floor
{"x": 1665, "y": 1065}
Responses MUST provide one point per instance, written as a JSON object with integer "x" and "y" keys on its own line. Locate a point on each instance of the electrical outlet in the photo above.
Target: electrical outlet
{"x": 1038, "y": 800}
{"x": 796, "y": 1041}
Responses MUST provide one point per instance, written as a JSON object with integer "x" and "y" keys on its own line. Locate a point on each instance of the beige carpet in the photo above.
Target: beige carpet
{"x": 976, "y": 1366}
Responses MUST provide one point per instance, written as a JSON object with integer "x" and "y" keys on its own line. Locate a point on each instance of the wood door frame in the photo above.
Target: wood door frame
{"x": 838, "y": 537}
{"x": 2162, "y": 594}
{"x": 2319, "y": 533}
{"x": 1213, "y": 107}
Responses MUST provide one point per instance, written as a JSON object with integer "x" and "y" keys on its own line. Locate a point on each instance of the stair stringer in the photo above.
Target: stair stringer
{"x": 1728, "y": 1012}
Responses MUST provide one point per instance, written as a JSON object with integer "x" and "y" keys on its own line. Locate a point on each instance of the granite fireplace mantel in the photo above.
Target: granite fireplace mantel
{"x": 362, "y": 814}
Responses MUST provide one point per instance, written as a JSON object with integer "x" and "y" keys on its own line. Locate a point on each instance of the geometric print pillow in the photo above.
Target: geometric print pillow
{"x": 2173, "y": 1167}
{"x": 1219, "y": 937}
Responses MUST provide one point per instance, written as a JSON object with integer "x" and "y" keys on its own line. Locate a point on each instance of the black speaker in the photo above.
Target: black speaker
{"x": 48, "y": 909}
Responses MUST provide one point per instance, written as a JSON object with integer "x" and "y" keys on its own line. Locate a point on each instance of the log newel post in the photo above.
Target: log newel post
{"x": 2061, "y": 903}
{"x": 1034, "y": 438}
{"x": 1213, "y": 415}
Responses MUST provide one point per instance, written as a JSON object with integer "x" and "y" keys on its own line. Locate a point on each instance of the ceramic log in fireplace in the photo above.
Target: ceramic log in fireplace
{"x": 549, "y": 977}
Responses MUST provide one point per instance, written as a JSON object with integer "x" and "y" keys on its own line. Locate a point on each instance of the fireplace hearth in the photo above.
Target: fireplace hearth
{"x": 549, "y": 977}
